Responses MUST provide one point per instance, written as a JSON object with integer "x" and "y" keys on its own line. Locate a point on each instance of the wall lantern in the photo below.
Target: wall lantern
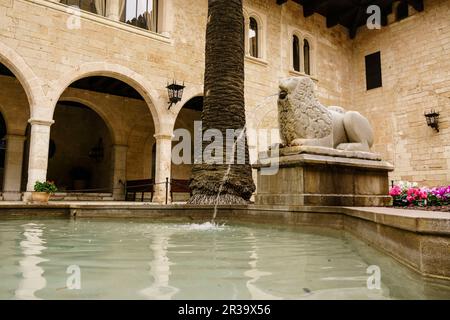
{"x": 97, "y": 152}
{"x": 175, "y": 92}
{"x": 433, "y": 119}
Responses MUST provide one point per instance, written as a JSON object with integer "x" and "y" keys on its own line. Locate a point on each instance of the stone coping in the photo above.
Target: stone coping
{"x": 318, "y": 150}
{"x": 315, "y": 159}
{"x": 419, "y": 221}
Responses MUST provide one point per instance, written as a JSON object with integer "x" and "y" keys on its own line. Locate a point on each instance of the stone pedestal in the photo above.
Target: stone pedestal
{"x": 321, "y": 176}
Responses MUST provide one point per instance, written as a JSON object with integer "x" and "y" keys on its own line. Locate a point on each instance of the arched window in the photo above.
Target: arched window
{"x": 253, "y": 37}
{"x": 306, "y": 56}
{"x": 296, "y": 53}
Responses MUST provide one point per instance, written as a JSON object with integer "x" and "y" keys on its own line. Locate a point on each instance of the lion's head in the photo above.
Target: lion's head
{"x": 295, "y": 86}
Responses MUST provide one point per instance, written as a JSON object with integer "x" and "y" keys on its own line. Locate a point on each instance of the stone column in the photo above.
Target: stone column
{"x": 119, "y": 171}
{"x": 165, "y": 18}
{"x": 13, "y": 167}
{"x": 38, "y": 158}
{"x": 113, "y": 10}
{"x": 163, "y": 167}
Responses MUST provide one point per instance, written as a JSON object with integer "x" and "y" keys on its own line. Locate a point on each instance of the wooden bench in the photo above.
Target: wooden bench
{"x": 179, "y": 186}
{"x": 132, "y": 187}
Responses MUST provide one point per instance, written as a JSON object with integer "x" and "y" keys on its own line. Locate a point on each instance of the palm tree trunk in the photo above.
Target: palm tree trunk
{"x": 224, "y": 106}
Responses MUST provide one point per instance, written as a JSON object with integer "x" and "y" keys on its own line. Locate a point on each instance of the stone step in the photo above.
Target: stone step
{"x": 64, "y": 196}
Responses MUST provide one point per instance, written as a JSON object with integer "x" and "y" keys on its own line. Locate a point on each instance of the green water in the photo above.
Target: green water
{"x": 138, "y": 259}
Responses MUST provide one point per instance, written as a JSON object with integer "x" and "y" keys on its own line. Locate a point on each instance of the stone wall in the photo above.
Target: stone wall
{"x": 415, "y": 61}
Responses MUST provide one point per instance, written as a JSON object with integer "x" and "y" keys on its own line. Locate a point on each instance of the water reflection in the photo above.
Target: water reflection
{"x": 160, "y": 270}
{"x": 32, "y": 274}
{"x": 254, "y": 274}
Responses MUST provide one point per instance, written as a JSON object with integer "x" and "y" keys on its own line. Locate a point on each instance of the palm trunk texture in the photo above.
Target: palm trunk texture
{"x": 224, "y": 106}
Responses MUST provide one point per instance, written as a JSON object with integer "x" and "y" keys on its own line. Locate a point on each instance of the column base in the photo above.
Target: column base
{"x": 12, "y": 196}
{"x": 26, "y": 197}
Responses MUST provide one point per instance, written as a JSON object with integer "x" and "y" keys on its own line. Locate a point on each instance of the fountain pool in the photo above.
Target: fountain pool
{"x": 44, "y": 258}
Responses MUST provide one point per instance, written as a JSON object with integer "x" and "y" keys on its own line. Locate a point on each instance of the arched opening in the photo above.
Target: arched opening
{"x": 296, "y": 53}
{"x": 102, "y": 129}
{"x": 306, "y": 56}
{"x": 14, "y": 115}
{"x": 80, "y": 152}
{"x": 181, "y": 173}
{"x": 253, "y": 36}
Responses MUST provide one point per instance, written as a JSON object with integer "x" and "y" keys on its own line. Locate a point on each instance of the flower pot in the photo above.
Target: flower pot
{"x": 40, "y": 197}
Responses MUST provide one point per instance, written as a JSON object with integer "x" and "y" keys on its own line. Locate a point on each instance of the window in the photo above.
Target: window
{"x": 306, "y": 57}
{"x": 253, "y": 38}
{"x": 296, "y": 53}
{"x": 141, "y": 13}
{"x": 373, "y": 71}
{"x": 98, "y": 7}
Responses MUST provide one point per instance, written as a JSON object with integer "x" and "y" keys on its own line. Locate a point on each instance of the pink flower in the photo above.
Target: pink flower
{"x": 395, "y": 191}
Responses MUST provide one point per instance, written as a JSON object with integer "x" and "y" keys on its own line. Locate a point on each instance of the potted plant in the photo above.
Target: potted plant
{"x": 43, "y": 191}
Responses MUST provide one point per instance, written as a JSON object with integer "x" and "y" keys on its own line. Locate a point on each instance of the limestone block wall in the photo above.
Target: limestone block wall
{"x": 415, "y": 59}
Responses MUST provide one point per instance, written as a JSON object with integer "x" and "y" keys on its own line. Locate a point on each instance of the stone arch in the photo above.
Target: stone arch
{"x": 137, "y": 81}
{"x": 29, "y": 81}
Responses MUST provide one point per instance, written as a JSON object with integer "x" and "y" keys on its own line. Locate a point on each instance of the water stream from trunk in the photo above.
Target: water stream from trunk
{"x": 241, "y": 135}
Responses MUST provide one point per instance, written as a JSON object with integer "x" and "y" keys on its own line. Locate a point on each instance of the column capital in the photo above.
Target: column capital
{"x": 18, "y": 137}
{"x": 118, "y": 146}
{"x": 163, "y": 136}
{"x": 43, "y": 122}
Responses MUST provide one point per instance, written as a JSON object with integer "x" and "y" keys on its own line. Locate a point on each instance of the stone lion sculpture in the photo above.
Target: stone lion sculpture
{"x": 304, "y": 121}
